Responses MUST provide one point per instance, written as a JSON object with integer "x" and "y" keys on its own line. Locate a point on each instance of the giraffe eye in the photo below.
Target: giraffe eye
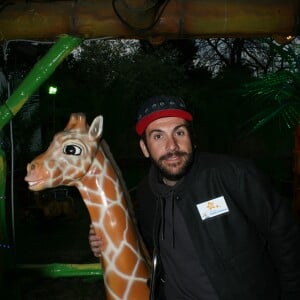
{"x": 72, "y": 150}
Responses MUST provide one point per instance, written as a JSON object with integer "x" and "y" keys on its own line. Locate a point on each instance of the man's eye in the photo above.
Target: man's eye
{"x": 180, "y": 132}
{"x": 72, "y": 150}
{"x": 157, "y": 136}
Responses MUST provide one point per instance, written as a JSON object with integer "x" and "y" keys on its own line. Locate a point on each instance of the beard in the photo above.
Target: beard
{"x": 180, "y": 172}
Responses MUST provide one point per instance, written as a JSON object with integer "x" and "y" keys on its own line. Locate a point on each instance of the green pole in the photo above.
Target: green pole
{"x": 58, "y": 270}
{"x": 6, "y": 254}
{"x": 40, "y": 72}
{"x": 4, "y": 242}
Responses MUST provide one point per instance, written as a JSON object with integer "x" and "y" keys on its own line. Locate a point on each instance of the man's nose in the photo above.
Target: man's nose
{"x": 172, "y": 144}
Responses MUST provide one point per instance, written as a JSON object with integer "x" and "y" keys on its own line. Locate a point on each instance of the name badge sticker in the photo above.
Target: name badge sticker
{"x": 212, "y": 208}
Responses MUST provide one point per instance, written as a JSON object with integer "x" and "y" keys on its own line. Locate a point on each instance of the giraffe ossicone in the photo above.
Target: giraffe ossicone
{"x": 79, "y": 157}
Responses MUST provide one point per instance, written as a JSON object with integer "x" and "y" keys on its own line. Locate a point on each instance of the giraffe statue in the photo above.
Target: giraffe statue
{"x": 76, "y": 157}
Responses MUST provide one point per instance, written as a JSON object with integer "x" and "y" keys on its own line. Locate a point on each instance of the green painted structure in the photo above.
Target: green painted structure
{"x": 40, "y": 72}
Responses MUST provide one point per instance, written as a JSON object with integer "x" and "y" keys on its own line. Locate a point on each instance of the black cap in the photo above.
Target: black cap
{"x": 160, "y": 107}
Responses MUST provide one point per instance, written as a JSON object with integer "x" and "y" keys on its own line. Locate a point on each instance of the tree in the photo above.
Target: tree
{"x": 260, "y": 56}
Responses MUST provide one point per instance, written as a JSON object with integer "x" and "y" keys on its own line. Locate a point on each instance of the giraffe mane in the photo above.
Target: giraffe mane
{"x": 106, "y": 150}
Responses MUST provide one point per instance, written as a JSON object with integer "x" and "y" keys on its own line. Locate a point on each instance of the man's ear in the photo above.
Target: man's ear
{"x": 144, "y": 148}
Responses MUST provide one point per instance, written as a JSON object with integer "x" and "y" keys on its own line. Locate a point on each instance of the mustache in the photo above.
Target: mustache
{"x": 170, "y": 154}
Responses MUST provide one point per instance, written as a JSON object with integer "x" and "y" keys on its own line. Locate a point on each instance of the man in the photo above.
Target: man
{"x": 216, "y": 226}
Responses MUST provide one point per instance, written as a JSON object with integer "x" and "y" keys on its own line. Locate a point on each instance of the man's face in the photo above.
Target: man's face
{"x": 168, "y": 144}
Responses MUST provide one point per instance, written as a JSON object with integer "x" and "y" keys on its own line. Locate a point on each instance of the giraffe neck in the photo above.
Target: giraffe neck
{"x": 124, "y": 267}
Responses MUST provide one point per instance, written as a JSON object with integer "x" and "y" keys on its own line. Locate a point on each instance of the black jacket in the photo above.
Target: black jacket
{"x": 252, "y": 251}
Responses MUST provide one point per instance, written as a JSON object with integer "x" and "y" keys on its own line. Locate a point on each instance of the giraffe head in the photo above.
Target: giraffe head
{"x": 69, "y": 155}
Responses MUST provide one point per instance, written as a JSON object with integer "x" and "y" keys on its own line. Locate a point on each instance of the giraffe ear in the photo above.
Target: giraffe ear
{"x": 96, "y": 128}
